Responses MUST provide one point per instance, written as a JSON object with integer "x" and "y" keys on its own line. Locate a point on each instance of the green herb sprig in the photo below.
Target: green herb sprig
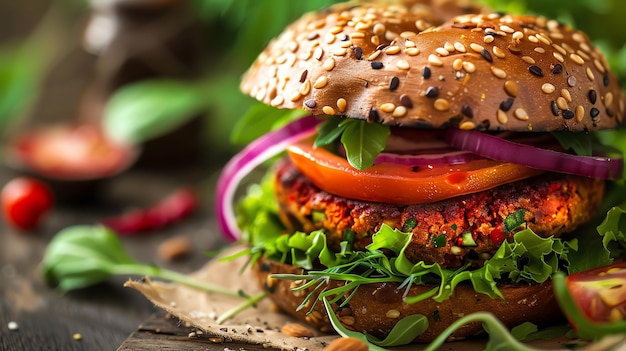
{"x": 81, "y": 256}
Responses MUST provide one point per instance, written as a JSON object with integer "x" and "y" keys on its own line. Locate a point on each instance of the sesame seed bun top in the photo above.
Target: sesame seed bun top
{"x": 412, "y": 64}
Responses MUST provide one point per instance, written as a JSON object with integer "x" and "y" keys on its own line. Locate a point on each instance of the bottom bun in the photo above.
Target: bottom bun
{"x": 375, "y": 308}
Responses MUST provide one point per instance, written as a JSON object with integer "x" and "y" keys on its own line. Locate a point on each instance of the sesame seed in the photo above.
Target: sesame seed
{"x": 599, "y": 66}
{"x": 535, "y": 70}
{"x": 529, "y": 60}
{"x": 406, "y": 101}
{"x": 610, "y": 112}
{"x": 459, "y": 47}
{"x": 544, "y": 39}
{"x": 520, "y": 114}
{"x": 336, "y": 30}
{"x": 426, "y": 73}
{"x": 403, "y": 64}
{"x": 441, "y": 105}
{"x": 501, "y": 116}
{"x": 421, "y": 25}
{"x": 583, "y": 55}
{"x": 533, "y": 39}
{"x": 376, "y": 65}
{"x": 548, "y": 88}
{"x": 392, "y": 314}
{"x": 469, "y": 67}
{"x": 305, "y": 88}
{"x": 311, "y": 103}
{"x": 399, "y": 111}
{"x": 394, "y": 83}
{"x": 375, "y": 40}
{"x": 342, "y": 104}
{"x": 594, "y": 112}
{"x": 568, "y": 114}
{"x": 467, "y": 125}
{"x": 457, "y": 64}
{"x": 329, "y": 64}
{"x": 277, "y": 101}
{"x": 605, "y": 80}
{"x": 392, "y": 50}
{"x": 577, "y": 59}
{"x": 593, "y": 96}
{"x": 361, "y": 27}
{"x": 590, "y": 74}
{"x": 579, "y": 37}
{"x": 357, "y": 35}
{"x": 566, "y": 95}
{"x": 467, "y": 111}
{"x": 518, "y": 35}
{"x": 558, "y": 68}
{"x": 320, "y": 82}
{"x": 562, "y": 103}
{"x": 374, "y": 55}
{"x": 511, "y": 88}
{"x": 540, "y": 50}
{"x": 507, "y": 104}
{"x": 329, "y": 38}
{"x": 328, "y": 110}
{"x": 486, "y": 55}
{"x": 608, "y": 98}
{"x": 432, "y": 92}
{"x": 558, "y": 48}
{"x": 488, "y": 39}
{"x": 554, "y": 108}
{"x": 379, "y": 29}
{"x": 318, "y": 53}
{"x": 558, "y": 56}
{"x": 373, "y": 115}
{"x": 409, "y": 43}
{"x": 579, "y": 113}
{"x": 387, "y": 107}
{"x": 434, "y": 60}
{"x": 514, "y": 49}
{"x": 476, "y": 47}
{"x": 507, "y": 29}
{"x": 571, "y": 81}
{"x": 442, "y": 52}
{"x": 340, "y": 52}
{"x": 499, "y": 73}
{"x": 412, "y": 51}
{"x": 498, "y": 52}
{"x": 448, "y": 46}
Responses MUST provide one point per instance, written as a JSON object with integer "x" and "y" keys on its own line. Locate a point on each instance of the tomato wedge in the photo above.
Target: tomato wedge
{"x": 600, "y": 292}
{"x": 400, "y": 184}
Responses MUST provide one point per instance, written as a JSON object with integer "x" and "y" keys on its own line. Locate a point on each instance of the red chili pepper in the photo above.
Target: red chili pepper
{"x": 497, "y": 235}
{"x": 173, "y": 208}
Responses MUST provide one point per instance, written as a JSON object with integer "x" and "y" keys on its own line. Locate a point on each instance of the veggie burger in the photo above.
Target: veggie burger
{"x": 450, "y": 163}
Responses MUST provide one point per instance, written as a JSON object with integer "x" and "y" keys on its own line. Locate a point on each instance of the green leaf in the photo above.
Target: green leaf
{"x": 329, "y": 131}
{"x": 363, "y": 141}
{"x": 514, "y": 220}
{"x": 404, "y": 332}
{"x": 19, "y": 74}
{"x": 145, "y": 110}
{"x": 260, "y": 119}
{"x": 580, "y": 143}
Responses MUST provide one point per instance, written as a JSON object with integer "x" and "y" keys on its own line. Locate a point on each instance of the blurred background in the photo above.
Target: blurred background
{"x": 165, "y": 73}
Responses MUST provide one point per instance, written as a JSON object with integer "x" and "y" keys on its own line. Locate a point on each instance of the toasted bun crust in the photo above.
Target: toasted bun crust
{"x": 403, "y": 65}
{"x": 376, "y": 308}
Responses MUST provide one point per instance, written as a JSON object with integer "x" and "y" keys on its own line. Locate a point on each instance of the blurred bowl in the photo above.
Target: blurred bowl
{"x": 73, "y": 160}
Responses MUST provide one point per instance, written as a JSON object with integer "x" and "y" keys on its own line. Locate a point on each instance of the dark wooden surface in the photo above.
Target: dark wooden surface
{"x": 107, "y": 316}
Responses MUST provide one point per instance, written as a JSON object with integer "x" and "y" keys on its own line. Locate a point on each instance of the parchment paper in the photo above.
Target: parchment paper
{"x": 258, "y": 325}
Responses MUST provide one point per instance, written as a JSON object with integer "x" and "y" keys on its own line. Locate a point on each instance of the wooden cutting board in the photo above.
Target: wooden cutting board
{"x": 162, "y": 332}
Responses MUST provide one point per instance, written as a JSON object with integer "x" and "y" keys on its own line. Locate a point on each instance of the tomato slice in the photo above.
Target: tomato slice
{"x": 600, "y": 293}
{"x": 399, "y": 184}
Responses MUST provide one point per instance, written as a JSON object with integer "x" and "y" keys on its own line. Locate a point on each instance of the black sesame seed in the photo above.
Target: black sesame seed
{"x": 536, "y": 70}
{"x": 466, "y": 110}
{"x": 426, "y": 73}
{"x": 558, "y": 68}
{"x": 358, "y": 52}
{"x": 406, "y": 101}
{"x": 373, "y": 115}
{"x": 554, "y": 108}
{"x": 571, "y": 81}
{"x": 310, "y": 103}
{"x": 343, "y": 37}
{"x": 377, "y": 65}
{"x": 432, "y": 92}
{"x": 303, "y": 75}
{"x": 605, "y": 80}
{"x": 610, "y": 112}
{"x": 394, "y": 83}
{"x": 568, "y": 114}
{"x": 486, "y": 124}
{"x": 594, "y": 112}
{"x": 593, "y": 96}
{"x": 486, "y": 55}
{"x": 507, "y": 104}
{"x": 382, "y": 46}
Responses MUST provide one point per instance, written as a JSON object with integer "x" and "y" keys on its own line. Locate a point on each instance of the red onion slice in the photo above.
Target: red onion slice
{"x": 434, "y": 158}
{"x": 499, "y": 149}
{"x": 257, "y": 152}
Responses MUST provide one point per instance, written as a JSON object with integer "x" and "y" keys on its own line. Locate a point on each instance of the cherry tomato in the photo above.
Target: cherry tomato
{"x": 25, "y": 201}
{"x": 393, "y": 183}
{"x": 600, "y": 293}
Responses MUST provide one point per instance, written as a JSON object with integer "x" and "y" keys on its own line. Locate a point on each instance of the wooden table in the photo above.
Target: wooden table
{"x": 107, "y": 316}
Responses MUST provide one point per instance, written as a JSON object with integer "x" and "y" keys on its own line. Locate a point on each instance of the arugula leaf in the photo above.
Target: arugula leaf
{"x": 363, "y": 141}
{"x": 329, "y": 131}
{"x": 404, "y": 332}
{"x": 580, "y": 143}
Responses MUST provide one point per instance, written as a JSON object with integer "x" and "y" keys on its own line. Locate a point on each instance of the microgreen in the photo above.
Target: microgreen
{"x": 81, "y": 256}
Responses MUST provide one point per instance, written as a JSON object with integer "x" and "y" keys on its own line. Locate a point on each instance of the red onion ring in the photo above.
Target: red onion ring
{"x": 257, "y": 152}
{"x": 437, "y": 157}
{"x": 493, "y": 147}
